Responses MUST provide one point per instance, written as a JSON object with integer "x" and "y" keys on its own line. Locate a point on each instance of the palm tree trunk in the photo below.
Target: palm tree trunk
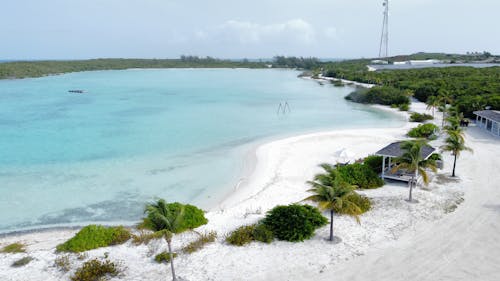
{"x": 410, "y": 196}
{"x": 171, "y": 259}
{"x": 454, "y": 165}
{"x": 331, "y": 225}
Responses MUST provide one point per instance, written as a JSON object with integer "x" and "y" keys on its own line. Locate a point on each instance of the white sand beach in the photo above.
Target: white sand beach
{"x": 439, "y": 238}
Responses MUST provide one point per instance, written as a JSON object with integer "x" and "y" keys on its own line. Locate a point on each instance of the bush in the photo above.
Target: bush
{"x": 241, "y": 236}
{"x": 417, "y": 117}
{"x": 22, "y": 262}
{"x": 423, "y": 131}
{"x": 200, "y": 242}
{"x": 262, "y": 233}
{"x": 164, "y": 257}
{"x": 380, "y": 95}
{"x": 14, "y": 248}
{"x": 95, "y": 236}
{"x": 361, "y": 201}
{"x": 361, "y": 175}
{"x": 294, "y": 222}
{"x": 94, "y": 270}
{"x": 404, "y": 107}
{"x": 374, "y": 162}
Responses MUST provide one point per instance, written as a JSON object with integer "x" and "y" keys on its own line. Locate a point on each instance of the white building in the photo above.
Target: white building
{"x": 488, "y": 120}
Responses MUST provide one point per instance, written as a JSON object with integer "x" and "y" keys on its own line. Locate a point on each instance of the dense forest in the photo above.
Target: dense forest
{"x": 469, "y": 88}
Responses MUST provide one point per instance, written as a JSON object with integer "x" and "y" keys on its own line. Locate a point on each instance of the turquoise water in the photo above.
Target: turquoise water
{"x": 134, "y": 135}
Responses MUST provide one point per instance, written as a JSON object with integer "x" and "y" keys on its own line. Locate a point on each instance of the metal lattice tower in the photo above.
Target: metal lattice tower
{"x": 384, "y": 37}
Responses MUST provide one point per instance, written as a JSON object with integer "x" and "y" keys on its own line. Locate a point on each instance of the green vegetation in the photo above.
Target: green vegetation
{"x": 22, "y": 261}
{"x": 413, "y": 163}
{"x": 361, "y": 175}
{"x": 262, "y": 233}
{"x": 294, "y": 222}
{"x": 164, "y": 257}
{"x": 96, "y": 270}
{"x": 418, "y": 117}
{"x": 424, "y": 131}
{"x": 14, "y": 248}
{"x": 24, "y": 69}
{"x": 470, "y": 88}
{"x": 200, "y": 242}
{"x": 337, "y": 196}
{"x": 296, "y": 62}
{"x": 192, "y": 217}
{"x": 384, "y": 95}
{"x": 374, "y": 162}
{"x": 241, "y": 236}
{"x": 93, "y": 237}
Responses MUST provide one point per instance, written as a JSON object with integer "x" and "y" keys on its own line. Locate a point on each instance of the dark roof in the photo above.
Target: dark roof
{"x": 489, "y": 114}
{"x": 394, "y": 150}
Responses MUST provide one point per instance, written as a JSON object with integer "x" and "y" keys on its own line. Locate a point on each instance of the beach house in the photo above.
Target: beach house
{"x": 394, "y": 150}
{"x": 488, "y": 120}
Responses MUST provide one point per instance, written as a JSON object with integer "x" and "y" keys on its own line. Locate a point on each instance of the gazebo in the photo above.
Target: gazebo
{"x": 394, "y": 150}
{"x": 488, "y": 120}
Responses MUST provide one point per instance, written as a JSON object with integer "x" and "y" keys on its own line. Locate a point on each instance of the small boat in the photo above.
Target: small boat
{"x": 77, "y": 91}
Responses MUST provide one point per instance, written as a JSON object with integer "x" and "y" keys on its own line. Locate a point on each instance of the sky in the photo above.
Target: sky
{"x": 81, "y": 29}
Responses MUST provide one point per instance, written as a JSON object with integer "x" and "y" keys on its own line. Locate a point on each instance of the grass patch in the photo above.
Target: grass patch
{"x": 164, "y": 257}
{"x": 200, "y": 242}
{"x": 418, "y": 117}
{"x": 146, "y": 237}
{"x": 96, "y": 270}
{"x": 62, "y": 263}
{"x": 424, "y": 131}
{"x": 14, "y": 248}
{"x": 22, "y": 262}
{"x": 93, "y": 237}
{"x": 241, "y": 236}
{"x": 262, "y": 233}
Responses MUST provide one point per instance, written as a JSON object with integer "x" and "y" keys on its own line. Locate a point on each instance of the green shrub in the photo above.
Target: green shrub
{"x": 14, "y": 248}
{"x": 95, "y": 236}
{"x": 96, "y": 270}
{"x": 22, "y": 262}
{"x": 241, "y": 236}
{"x": 262, "y": 233}
{"x": 374, "y": 162}
{"x": 200, "y": 242}
{"x": 361, "y": 175}
{"x": 384, "y": 95}
{"x": 164, "y": 257}
{"x": 404, "y": 107}
{"x": 294, "y": 222}
{"x": 361, "y": 201}
{"x": 417, "y": 117}
{"x": 423, "y": 131}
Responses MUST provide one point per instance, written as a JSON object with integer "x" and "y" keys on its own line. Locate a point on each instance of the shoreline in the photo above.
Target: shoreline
{"x": 280, "y": 177}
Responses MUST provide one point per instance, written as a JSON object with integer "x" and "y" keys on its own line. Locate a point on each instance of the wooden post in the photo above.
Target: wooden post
{"x": 383, "y": 166}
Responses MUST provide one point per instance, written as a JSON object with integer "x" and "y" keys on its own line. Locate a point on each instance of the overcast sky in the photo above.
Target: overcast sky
{"x": 74, "y": 29}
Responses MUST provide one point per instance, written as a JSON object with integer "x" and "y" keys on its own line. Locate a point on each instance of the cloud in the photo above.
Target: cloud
{"x": 295, "y": 31}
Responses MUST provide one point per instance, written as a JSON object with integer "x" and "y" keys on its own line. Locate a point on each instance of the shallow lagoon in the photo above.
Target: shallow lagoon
{"x": 179, "y": 134}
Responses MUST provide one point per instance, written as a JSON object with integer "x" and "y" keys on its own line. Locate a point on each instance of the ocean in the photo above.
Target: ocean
{"x": 136, "y": 135}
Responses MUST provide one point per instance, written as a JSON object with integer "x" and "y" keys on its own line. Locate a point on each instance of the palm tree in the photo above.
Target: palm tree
{"x": 412, "y": 161}
{"x": 444, "y": 98}
{"x": 432, "y": 103}
{"x": 331, "y": 193}
{"x": 455, "y": 143}
{"x": 161, "y": 219}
